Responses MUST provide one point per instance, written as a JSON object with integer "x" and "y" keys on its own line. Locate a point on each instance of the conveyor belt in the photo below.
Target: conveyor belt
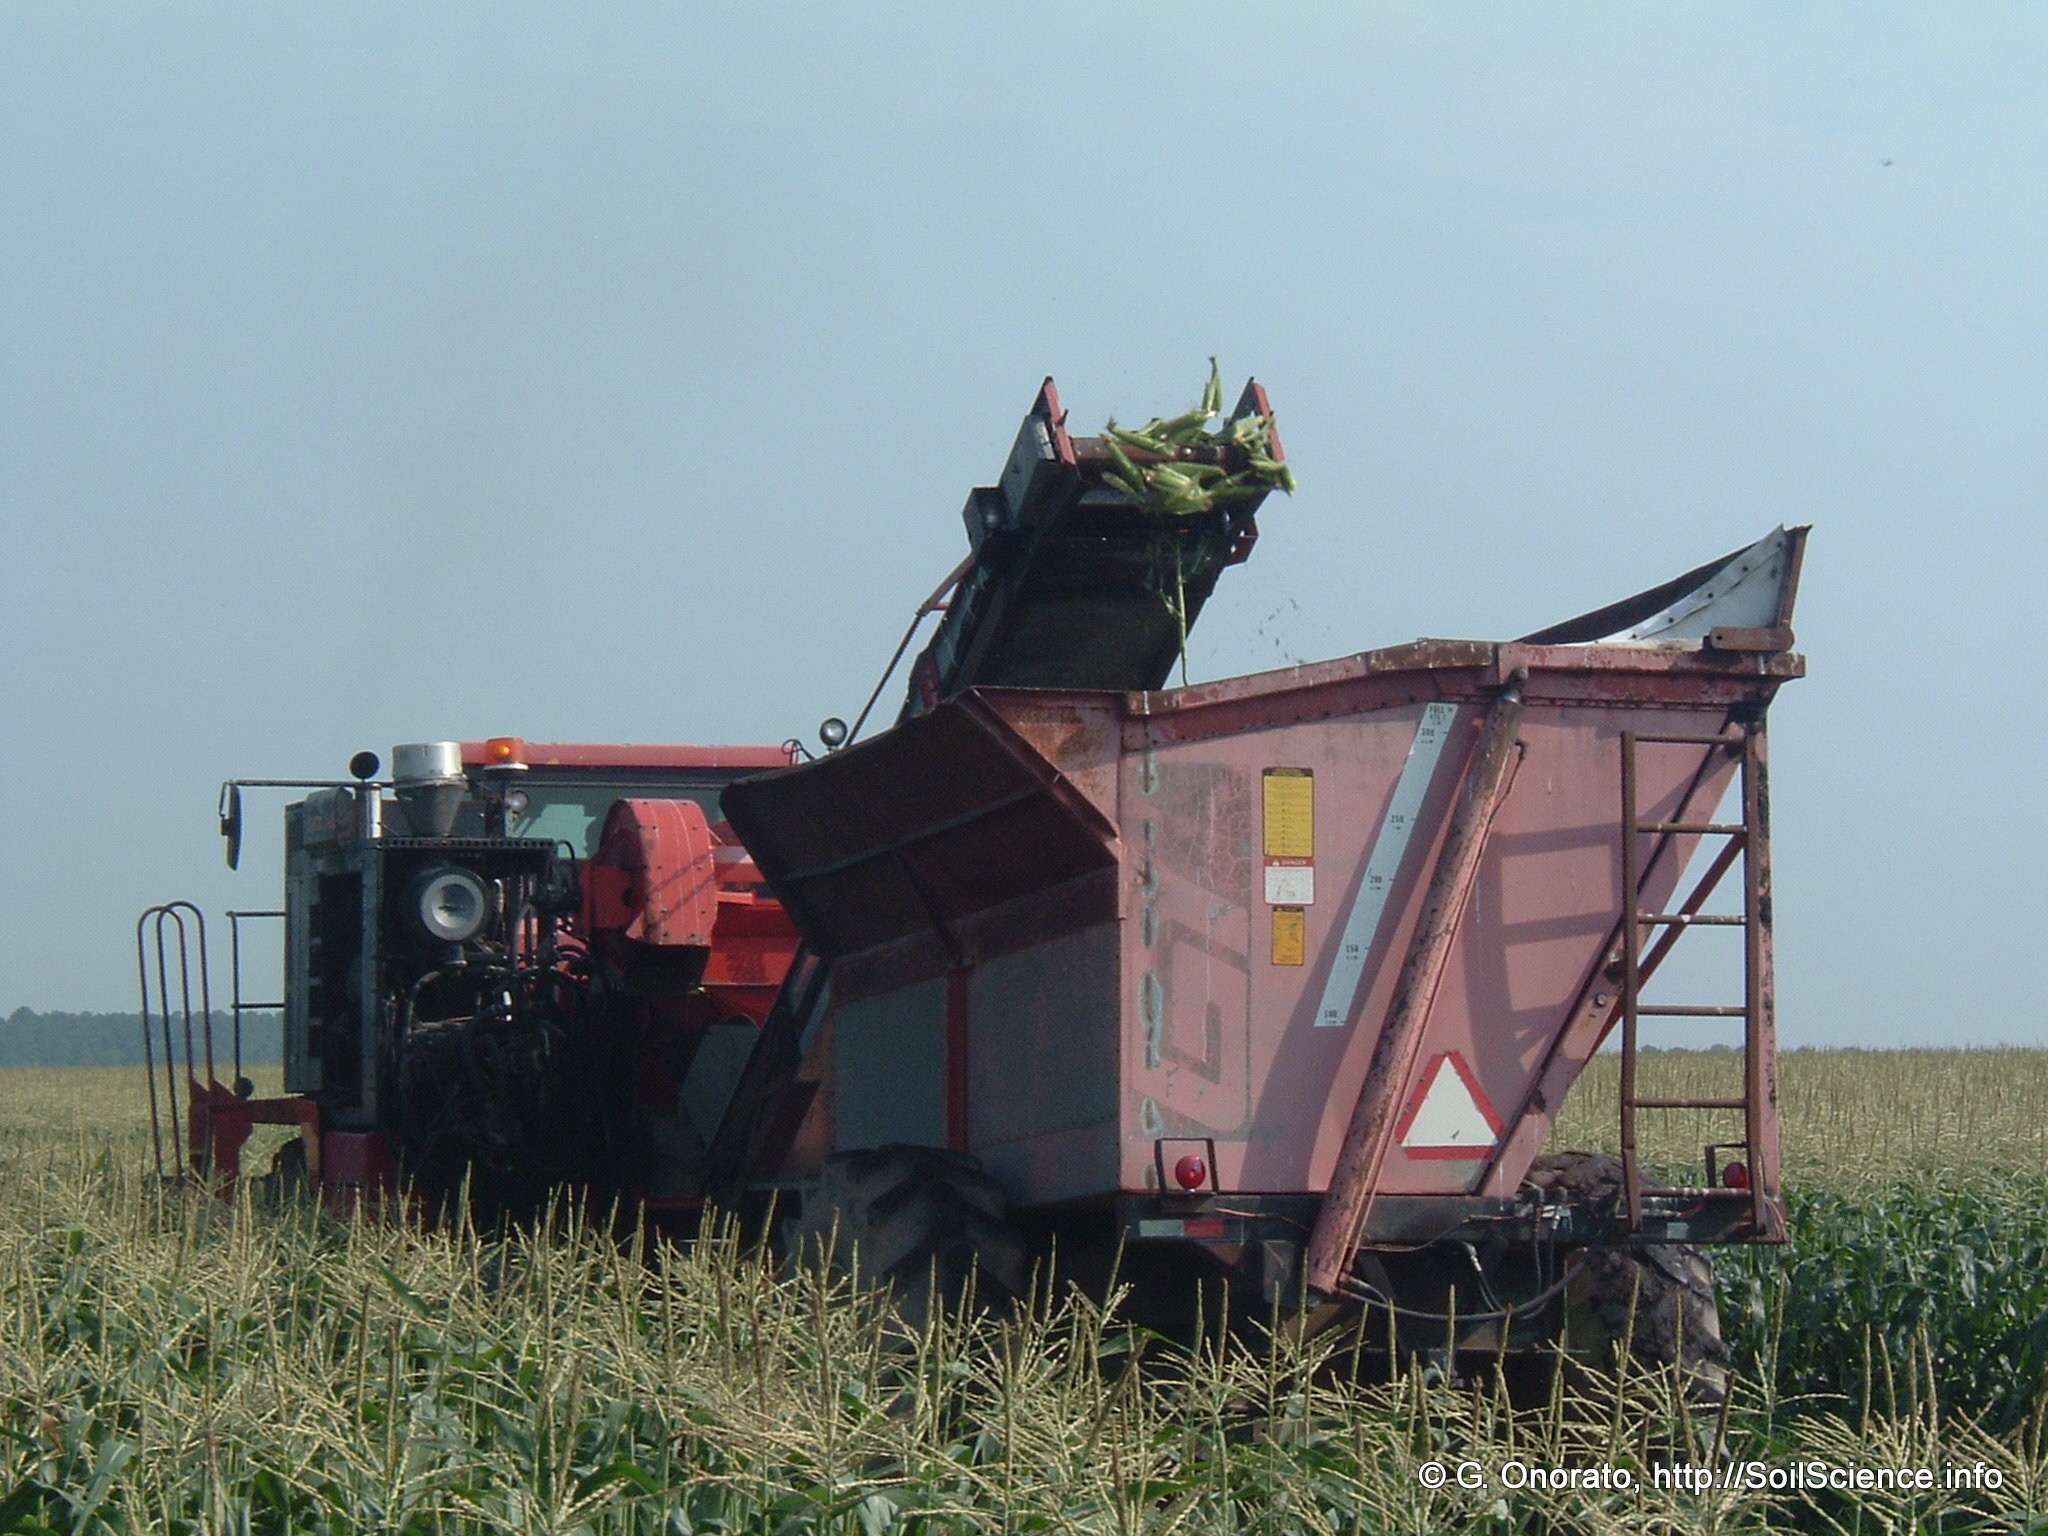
{"x": 1072, "y": 585}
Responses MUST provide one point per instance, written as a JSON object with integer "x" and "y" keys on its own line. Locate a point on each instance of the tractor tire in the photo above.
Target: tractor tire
{"x": 919, "y": 1222}
{"x": 1657, "y": 1296}
{"x": 289, "y": 1179}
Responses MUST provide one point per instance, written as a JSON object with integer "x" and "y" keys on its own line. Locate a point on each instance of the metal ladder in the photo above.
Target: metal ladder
{"x": 242, "y": 1005}
{"x": 1748, "y": 841}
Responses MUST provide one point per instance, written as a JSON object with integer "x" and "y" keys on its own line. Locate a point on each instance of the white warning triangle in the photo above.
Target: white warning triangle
{"x": 1448, "y": 1115}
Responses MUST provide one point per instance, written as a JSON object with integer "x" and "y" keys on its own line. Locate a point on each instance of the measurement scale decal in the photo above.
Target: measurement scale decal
{"x": 1382, "y": 863}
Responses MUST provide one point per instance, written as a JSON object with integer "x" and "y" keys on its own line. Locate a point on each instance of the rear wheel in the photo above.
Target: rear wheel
{"x": 921, "y": 1222}
{"x": 1657, "y": 1296}
{"x": 288, "y": 1179}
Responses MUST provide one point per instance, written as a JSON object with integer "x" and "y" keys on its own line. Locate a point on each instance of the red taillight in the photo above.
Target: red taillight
{"x": 1191, "y": 1172}
{"x": 1736, "y": 1175}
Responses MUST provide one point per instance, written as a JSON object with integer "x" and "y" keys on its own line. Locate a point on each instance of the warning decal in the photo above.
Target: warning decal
{"x": 1290, "y": 806}
{"x": 1294, "y": 884}
{"x": 1290, "y": 936}
{"x": 1448, "y": 1114}
{"x": 1290, "y": 813}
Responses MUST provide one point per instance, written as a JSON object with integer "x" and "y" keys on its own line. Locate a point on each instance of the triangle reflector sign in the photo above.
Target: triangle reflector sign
{"x": 1448, "y": 1115}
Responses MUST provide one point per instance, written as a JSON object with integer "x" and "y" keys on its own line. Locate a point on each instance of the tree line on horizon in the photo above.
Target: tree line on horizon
{"x": 32, "y": 1039}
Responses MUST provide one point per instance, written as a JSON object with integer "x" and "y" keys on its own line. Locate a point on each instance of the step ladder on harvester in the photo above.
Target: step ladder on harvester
{"x": 1748, "y": 842}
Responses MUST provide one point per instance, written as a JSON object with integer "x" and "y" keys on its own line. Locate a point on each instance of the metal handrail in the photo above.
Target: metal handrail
{"x": 153, "y": 924}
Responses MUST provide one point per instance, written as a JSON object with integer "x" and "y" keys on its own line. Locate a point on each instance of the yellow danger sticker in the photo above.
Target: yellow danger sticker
{"x": 1290, "y": 936}
{"x": 1290, "y": 813}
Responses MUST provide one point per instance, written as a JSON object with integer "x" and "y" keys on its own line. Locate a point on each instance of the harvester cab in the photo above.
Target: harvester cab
{"x": 516, "y": 964}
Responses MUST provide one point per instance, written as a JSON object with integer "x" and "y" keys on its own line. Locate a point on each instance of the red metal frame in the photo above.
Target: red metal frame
{"x": 347, "y": 1166}
{"x": 1047, "y": 405}
{"x": 1254, "y": 402}
{"x": 221, "y": 1122}
{"x": 1461, "y": 671}
{"x": 581, "y": 754}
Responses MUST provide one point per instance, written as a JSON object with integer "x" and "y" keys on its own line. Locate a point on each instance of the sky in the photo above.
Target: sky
{"x": 384, "y": 373}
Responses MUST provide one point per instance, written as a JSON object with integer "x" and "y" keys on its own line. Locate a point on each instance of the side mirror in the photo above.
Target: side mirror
{"x": 364, "y": 766}
{"x": 231, "y": 822}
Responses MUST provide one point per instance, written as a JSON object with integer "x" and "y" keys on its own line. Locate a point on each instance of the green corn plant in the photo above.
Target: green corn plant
{"x": 169, "y": 1363}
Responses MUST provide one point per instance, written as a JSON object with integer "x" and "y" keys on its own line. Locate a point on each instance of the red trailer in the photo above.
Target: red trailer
{"x": 1294, "y": 970}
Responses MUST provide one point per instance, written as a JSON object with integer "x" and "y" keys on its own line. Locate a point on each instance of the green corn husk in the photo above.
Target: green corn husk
{"x": 1177, "y": 493}
{"x": 1180, "y": 490}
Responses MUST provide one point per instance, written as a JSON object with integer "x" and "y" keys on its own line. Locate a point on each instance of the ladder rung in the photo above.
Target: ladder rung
{"x": 1689, "y": 1104}
{"x": 1704, "y": 828}
{"x": 1691, "y": 1011}
{"x": 1691, "y": 741}
{"x": 1694, "y": 919}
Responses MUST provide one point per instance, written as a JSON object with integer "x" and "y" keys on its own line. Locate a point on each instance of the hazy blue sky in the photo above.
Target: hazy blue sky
{"x": 381, "y": 373}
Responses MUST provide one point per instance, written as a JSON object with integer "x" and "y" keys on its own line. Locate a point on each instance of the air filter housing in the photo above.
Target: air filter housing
{"x": 430, "y": 783}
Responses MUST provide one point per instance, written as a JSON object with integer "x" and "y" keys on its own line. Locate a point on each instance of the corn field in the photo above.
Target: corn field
{"x": 175, "y": 1364}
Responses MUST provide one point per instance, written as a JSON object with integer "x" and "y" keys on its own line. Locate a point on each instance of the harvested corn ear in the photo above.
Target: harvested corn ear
{"x": 1178, "y": 488}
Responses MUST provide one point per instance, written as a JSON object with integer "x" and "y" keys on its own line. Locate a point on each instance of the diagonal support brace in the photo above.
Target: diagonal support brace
{"x": 1340, "y": 1226}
